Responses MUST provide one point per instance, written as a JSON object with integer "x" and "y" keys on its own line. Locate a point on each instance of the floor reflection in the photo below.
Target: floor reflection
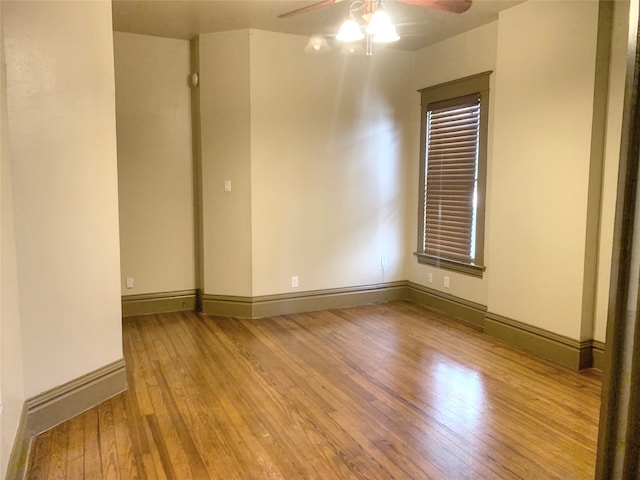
{"x": 458, "y": 396}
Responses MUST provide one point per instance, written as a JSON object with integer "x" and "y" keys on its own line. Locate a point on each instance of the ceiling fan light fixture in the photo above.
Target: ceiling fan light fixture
{"x": 379, "y": 29}
{"x": 350, "y": 31}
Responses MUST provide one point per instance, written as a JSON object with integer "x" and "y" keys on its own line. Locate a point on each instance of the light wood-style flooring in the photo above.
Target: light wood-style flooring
{"x": 389, "y": 391}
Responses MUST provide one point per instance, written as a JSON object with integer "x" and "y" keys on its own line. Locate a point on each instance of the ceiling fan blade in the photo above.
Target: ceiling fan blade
{"x": 308, "y": 8}
{"x": 454, "y": 6}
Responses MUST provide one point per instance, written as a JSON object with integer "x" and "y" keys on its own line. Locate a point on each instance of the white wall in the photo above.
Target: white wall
{"x": 62, "y": 135}
{"x": 11, "y": 372}
{"x": 474, "y": 52}
{"x": 328, "y": 143}
{"x": 155, "y": 174}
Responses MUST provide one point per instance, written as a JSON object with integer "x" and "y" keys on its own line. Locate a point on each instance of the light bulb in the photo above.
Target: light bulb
{"x": 379, "y": 22}
{"x": 349, "y": 31}
{"x": 381, "y": 29}
{"x": 387, "y": 36}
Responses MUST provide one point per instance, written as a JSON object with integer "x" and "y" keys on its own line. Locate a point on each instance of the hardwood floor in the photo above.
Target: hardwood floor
{"x": 374, "y": 392}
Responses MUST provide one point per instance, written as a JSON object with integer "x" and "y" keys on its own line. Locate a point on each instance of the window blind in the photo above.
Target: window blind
{"x": 451, "y": 178}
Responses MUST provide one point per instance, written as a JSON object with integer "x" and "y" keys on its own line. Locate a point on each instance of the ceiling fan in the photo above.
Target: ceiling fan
{"x": 371, "y": 15}
{"x": 454, "y": 6}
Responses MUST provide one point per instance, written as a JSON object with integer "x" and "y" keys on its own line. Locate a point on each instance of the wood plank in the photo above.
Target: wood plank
{"x": 162, "y": 465}
{"x": 92, "y": 457}
{"x": 59, "y": 452}
{"x": 76, "y": 438}
{"x": 127, "y": 464}
{"x": 148, "y": 468}
{"x": 38, "y": 467}
{"x": 108, "y": 452}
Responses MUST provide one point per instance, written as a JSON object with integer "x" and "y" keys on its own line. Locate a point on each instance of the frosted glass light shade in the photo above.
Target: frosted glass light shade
{"x": 381, "y": 28}
{"x": 379, "y": 22}
{"x": 349, "y": 31}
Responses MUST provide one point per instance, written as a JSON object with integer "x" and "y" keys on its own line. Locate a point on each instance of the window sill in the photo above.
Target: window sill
{"x": 467, "y": 269}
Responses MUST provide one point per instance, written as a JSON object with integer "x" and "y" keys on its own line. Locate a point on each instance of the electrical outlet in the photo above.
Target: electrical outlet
{"x": 294, "y": 281}
{"x": 130, "y": 282}
{"x": 430, "y": 277}
{"x": 446, "y": 282}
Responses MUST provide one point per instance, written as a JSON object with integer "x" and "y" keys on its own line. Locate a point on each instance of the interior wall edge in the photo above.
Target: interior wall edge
{"x": 194, "y": 62}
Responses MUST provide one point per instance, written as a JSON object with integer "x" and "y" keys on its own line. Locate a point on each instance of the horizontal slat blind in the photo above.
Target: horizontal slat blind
{"x": 451, "y": 175}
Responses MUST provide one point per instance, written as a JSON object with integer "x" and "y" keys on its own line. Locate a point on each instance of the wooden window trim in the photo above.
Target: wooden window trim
{"x": 475, "y": 84}
{"x": 446, "y": 264}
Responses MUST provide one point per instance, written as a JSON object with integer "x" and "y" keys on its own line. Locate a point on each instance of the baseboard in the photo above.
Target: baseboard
{"x": 17, "y": 466}
{"x": 598, "y": 355}
{"x": 61, "y": 403}
{"x": 466, "y": 311}
{"x": 558, "y": 348}
{"x": 227, "y": 306}
{"x": 271, "y": 305}
{"x": 308, "y": 301}
{"x": 563, "y": 350}
{"x": 158, "y": 302}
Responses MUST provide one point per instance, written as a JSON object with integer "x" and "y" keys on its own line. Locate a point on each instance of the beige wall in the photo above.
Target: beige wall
{"x": 313, "y": 146}
{"x": 540, "y": 167}
{"x": 298, "y": 209}
{"x": 328, "y": 142}
{"x": 298, "y": 134}
{"x": 155, "y": 174}
{"x": 475, "y": 52}
{"x": 543, "y": 267}
{"x": 11, "y": 372}
{"x": 226, "y": 155}
{"x": 318, "y": 108}
{"x": 62, "y": 136}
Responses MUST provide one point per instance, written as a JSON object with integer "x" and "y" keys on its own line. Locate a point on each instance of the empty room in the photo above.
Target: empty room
{"x": 296, "y": 239}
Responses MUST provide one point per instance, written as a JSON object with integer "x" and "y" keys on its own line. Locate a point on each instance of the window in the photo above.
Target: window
{"x": 453, "y": 174}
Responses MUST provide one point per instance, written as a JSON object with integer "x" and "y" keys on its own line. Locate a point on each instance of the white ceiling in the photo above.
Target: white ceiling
{"x": 418, "y": 26}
